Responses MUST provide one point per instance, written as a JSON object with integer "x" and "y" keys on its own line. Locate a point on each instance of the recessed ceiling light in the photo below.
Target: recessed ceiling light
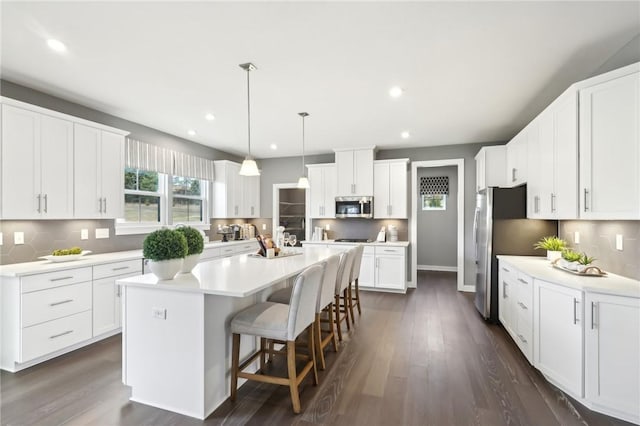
{"x": 273, "y": 146}
{"x": 191, "y": 132}
{"x": 56, "y": 45}
{"x": 405, "y": 135}
{"x": 210, "y": 117}
{"x": 395, "y": 92}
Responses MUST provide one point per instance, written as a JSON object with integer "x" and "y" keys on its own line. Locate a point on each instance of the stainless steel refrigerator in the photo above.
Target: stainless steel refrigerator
{"x": 501, "y": 227}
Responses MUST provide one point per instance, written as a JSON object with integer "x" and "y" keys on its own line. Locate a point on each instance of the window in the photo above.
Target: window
{"x": 142, "y": 196}
{"x": 188, "y": 200}
{"x": 434, "y": 202}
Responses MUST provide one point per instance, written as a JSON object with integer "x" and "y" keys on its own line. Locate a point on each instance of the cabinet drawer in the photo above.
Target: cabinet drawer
{"x": 369, "y": 250}
{"x": 399, "y": 251}
{"x": 55, "y": 279}
{"x": 51, "y": 336}
{"x": 246, "y": 248}
{"x": 227, "y": 251}
{"x": 507, "y": 272}
{"x": 525, "y": 290}
{"x": 46, "y": 305}
{"x": 117, "y": 268}
{"x": 209, "y": 253}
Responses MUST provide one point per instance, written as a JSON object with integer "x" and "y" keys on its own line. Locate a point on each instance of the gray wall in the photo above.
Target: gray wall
{"x": 629, "y": 54}
{"x": 598, "y": 239}
{"x": 437, "y": 229}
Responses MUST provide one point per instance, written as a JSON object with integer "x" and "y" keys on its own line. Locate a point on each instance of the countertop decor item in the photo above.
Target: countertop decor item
{"x": 165, "y": 249}
{"x": 582, "y": 270}
{"x": 56, "y": 258}
{"x": 553, "y": 245}
{"x": 195, "y": 245}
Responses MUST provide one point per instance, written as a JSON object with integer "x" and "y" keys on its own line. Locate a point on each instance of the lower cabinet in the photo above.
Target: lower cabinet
{"x": 367, "y": 278}
{"x": 390, "y": 269}
{"x": 558, "y": 335}
{"x": 612, "y": 355}
{"x": 515, "y": 307}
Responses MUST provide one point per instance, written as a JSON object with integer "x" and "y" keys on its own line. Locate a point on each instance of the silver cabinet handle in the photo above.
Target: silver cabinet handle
{"x": 46, "y": 203}
{"x": 105, "y": 204}
{"x": 117, "y": 290}
{"x": 61, "y": 278}
{"x": 575, "y": 310}
{"x": 504, "y": 289}
{"x": 39, "y": 202}
{"x": 536, "y": 204}
{"x": 522, "y": 305}
{"x": 506, "y": 270}
{"x": 390, "y": 210}
{"x": 594, "y": 312}
{"x": 100, "y": 202}
{"x": 521, "y": 337}
{"x": 522, "y": 281}
{"x": 586, "y": 193}
{"x": 120, "y": 268}
{"x": 251, "y": 210}
{"x": 513, "y": 174}
{"x": 62, "y": 302}
{"x": 55, "y": 336}
{"x": 553, "y": 202}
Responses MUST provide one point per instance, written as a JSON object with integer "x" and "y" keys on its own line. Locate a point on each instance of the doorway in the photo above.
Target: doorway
{"x": 289, "y": 209}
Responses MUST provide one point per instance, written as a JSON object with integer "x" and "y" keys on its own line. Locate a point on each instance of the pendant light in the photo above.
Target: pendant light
{"x": 303, "y": 182}
{"x": 249, "y": 166}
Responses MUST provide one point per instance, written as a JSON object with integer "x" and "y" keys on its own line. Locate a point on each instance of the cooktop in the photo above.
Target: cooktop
{"x": 352, "y": 240}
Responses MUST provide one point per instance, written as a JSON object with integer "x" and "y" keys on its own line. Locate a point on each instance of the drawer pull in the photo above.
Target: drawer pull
{"x": 61, "y": 278}
{"x": 522, "y": 305}
{"x": 521, "y": 337}
{"x": 228, "y": 250}
{"x": 522, "y": 281}
{"x": 120, "y": 268}
{"x": 55, "y": 336}
{"x": 506, "y": 270}
{"x": 62, "y": 302}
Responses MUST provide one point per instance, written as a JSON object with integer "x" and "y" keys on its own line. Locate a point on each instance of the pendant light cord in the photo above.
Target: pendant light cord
{"x": 248, "y": 113}
{"x": 303, "y": 171}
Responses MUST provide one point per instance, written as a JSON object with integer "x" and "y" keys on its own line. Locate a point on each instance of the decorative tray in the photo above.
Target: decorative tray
{"x": 280, "y": 256}
{"x": 65, "y": 258}
{"x": 589, "y": 271}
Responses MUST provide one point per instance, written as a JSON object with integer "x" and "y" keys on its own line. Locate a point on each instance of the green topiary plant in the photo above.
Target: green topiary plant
{"x": 164, "y": 244}
{"x": 551, "y": 243}
{"x": 570, "y": 255}
{"x": 195, "y": 242}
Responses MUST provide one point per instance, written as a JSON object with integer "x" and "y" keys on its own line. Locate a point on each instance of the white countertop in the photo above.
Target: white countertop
{"x": 237, "y": 276}
{"x": 540, "y": 268}
{"x": 42, "y": 266}
{"x": 373, "y": 243}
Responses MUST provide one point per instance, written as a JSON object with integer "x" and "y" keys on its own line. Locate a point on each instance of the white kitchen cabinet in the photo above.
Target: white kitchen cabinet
{"x": 235, "y": 196}
{"x": 491, "y": 162}
{"x": 99, "y": 169}
{"x": 37, "y": 165}
{"x": 106, "y": 310}
{"x": 390, "y": 189}
{"x": 517, "y": 159}
{"x": 506, "y": 297}
{"x": 354, "y": 171}
{"x": 515, "y": 306}
{"x": 558, "y": 335}
{"x": 612, "y": 354}
{"x": 390, "y": 268}
{"x": 250, "y": 196}
{"x": 322, "y": 191}
{"x": 610, "y": 145}
{"x": 367, "y": 278}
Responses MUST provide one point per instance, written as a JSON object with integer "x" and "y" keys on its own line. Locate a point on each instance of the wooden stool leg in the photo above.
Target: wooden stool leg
{"x": 318, "y": 341}
{"x": 358, "y": 296}
{"x": 337, "y": 310}
{"x": 235, "y": 361}
{"x": 270, "y": 356}
{"x": 334, "y": 338}
{"x": 345, "y": 304}
{"x": 263, "y": 348}
{"x": 312, "y": 351}
{"x": 293, "y": 377}
{"x": 353, "y": 318}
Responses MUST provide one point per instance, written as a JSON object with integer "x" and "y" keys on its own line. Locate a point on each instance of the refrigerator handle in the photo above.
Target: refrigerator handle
{"x": 475, "y": 233}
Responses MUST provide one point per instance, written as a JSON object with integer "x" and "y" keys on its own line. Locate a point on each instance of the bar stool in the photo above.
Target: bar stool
{"x": 341, "y": 291}
{"x": 353, "y": 282}
{"x": 325, "y": 304}
{"x": 270, "y": 320}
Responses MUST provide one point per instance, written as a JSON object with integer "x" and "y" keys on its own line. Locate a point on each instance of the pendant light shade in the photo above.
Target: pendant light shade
{"x": 303, "y": 182}
{"x": 249, "y": 166}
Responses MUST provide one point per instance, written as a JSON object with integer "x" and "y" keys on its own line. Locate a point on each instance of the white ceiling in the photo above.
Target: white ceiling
{"x": 472, "y": 72}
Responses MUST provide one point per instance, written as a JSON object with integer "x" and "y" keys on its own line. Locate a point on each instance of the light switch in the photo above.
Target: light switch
{"x": 576, "y": 237}
{"x": 264, "y": 226}
{"x": 0, "y": 238}
{"x": 159, "y": 313}
{"x": 84, "y": 234}
{"x": 619, "y": 242}
{"x": 102, "y": 233}
{"x": 18, "y": 238}
{"x": 327, "y": 227}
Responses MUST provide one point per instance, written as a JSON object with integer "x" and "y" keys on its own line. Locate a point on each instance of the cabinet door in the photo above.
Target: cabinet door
{"x": 316, "y": 192}
{"x": 565, "y": 165}
{"x": 20, "y": 164}
{"x": 558, "y": 335}
{"x": 610, "y": 149}
{"x": 233, "y": 190}
{"x": 480, "y": 170}
{"x": 398, "y": 190}
{"x": 363, "y": 172}
{"x": 381, "y": 200}
{"x": 367, "y": 271}
{"x": 329, "y": 178}
{"x": 86, "y": 190}
{"x": 390, "y": 272}
{"x": 56, "y": 153}
{"x": 106, "y": 306}
{"x": 506, "y": 297}
{"x": 546, "y": 166}
{"x": 111, "y": 174}
{"x": 612, "y": 353}
{"x": 517, "y": 159}
{"x": 344, "y": 167}
{"x": 251, "y": 196}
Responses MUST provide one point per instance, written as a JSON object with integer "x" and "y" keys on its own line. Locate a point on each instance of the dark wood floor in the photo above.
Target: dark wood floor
{"x": 425, "y": 358}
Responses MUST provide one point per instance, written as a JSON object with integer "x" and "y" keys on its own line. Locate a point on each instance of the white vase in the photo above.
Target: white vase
{"x": 165, "y": 269}
{"x": 553, "y": 255}
{"x": 189, "y": 262}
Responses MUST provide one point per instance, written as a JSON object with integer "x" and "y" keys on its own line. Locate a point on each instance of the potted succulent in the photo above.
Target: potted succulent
{"x": 570, "y": 259}
{"x": 553, "y": 245}
{"x": 584, "y": 262}
{"x": 195, "y": 245}
{"x": 165, "y": 249}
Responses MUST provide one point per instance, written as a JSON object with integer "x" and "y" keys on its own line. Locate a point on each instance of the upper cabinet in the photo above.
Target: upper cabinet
{"x": 517, "y": 158}
{"x": 390, "y": 189}
{"x": 355, "y": 171}
{"x": 99, "y": 169}
{"x": 250, "y": 196}
{"x": 490, "y": 166}
{"x": 235, "y": 196}
{"x": 610, "y": 145}
{"x": 37, "y": 165}
{"x": 322, "y": 191}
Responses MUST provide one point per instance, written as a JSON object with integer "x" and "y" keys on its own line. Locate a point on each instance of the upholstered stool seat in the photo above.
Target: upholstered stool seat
{"x": 268, "y": 319}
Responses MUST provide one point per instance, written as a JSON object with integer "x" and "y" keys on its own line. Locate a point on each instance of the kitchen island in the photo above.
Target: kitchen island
{"x": 176, "y": 339}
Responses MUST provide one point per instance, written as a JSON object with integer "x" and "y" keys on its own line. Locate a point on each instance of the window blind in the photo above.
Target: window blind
{"x": 434, "y": 185}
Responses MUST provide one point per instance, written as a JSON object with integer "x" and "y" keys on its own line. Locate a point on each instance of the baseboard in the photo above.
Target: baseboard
{"x": 437, "y": 268}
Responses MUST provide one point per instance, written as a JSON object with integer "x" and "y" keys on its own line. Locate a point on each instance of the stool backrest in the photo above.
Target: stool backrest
{"x": 344, "y": 271}
{"x": 357, "y": 261}
{"x": 304, "y": 297}
{"x": 327, "y": 290}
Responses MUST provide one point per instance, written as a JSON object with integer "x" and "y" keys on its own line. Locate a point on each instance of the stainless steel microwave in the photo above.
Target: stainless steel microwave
{"x": 361, "y": 207}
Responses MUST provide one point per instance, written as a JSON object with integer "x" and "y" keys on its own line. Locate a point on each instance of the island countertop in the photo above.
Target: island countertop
{"x": 237, "y": 276}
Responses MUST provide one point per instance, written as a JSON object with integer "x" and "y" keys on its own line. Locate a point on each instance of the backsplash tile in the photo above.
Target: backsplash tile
{"x": 598, "y": 239}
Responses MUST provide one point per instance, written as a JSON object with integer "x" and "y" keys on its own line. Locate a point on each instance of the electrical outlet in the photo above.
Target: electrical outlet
{"x": 159, "y": 313}
{"x": 1, "y": 239}
{"x": 264, "y": 226}
{"x": 576, "y": 237}
{"x": 327, "y": 227}
{"x": 84, "y": 234}
{"x": 619, "y": 242}
{"x": 18, "y": 238}
{"x": 102, "y": 233}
